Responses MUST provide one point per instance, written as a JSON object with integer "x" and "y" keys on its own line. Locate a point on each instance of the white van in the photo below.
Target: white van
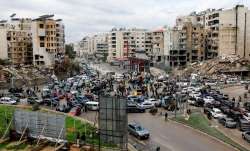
{"x": 94, "y": 106}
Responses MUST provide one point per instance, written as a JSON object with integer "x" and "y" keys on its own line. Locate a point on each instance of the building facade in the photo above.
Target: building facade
{"x": 234, "y": 32}
{"x": 16, "y": 41}
{"x": 122, "y": 43}
{"x": 48, "y": 40}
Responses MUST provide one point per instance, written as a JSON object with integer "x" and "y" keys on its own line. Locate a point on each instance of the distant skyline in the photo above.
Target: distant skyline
{"x": 86, "y": 17}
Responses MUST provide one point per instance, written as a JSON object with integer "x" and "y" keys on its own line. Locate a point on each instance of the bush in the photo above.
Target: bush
{"x": 35, "y": 107}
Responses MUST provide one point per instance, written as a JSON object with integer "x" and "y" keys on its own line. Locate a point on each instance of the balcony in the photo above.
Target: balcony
{"x": 41, "y": 32}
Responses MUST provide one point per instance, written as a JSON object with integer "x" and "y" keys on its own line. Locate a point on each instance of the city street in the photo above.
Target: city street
{"x": 168, "y": 135}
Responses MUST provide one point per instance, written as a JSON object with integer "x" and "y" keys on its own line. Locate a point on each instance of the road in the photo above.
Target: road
{"x": 168, "y": 135}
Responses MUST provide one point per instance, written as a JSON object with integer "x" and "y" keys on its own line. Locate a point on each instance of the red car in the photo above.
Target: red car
{"x": 75, "y": 111}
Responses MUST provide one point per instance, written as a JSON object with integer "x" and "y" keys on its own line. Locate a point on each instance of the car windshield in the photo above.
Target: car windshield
{"x": 139, "y": 128}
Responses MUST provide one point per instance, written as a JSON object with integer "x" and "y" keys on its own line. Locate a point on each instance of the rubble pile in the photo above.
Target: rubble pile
{"x": 217, "y": 66}
{"x": 26, "y": 75}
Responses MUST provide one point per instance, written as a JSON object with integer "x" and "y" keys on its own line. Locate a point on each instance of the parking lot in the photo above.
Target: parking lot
{"x": 154, "y": 95}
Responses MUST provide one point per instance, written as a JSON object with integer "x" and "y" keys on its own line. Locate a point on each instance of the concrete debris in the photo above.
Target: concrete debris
{"x": 227, "y": 65}
{"x": 25, "y": 75}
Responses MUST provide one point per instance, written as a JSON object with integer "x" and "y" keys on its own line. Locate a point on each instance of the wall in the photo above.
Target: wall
{"x": 3, "y": 43}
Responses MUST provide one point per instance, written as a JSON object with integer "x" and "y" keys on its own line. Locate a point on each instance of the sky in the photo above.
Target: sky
{"x": 88, "y": 17}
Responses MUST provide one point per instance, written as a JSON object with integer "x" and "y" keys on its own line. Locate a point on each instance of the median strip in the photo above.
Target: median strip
{"x": 199, "y": 122}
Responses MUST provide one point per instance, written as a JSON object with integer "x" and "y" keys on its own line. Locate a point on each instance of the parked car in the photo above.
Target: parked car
{"x": 216, "y": 113}
{"x": 247, "y": 106}
{"x": 244, "y": 125}
{"x": 246, "y": 136}
{"x": 147, "y": 105}
{"x": 191, "y": 101}
{"x": 138, "y": 131}
{"x": 93, "y": 106}
{"x": 208, "y": 99}
{"x": 246, "y": 116}
{"x": 49, "y": 102}
{"x": 225, "y": 109}
{"x": 63, "y": 108}
{"x": 156, "y": 102}
{"x": 7, "y": 100}
{"x": 228, "y": 122}
{"x": 33, "y": 100}
{"x": 75, "y": 111}
{"x": 134, "y": 108}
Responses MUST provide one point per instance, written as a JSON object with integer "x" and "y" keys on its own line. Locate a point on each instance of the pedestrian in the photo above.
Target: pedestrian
{"x": 239, "y": 98}
{"x": 166, "y": 116}
{"x": 158, "y": 148}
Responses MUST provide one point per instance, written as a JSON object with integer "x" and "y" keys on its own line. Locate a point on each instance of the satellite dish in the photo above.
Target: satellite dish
{"x": 13, "y": 15}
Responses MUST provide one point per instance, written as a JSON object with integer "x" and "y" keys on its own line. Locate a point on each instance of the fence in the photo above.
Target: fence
{"x": 39, "y": 123}
{"x": 113, "y": 121}
{"x": 6, "y": 115}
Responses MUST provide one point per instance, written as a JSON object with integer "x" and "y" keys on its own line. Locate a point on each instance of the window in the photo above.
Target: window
{"x": 36, "y": 57}
{"x": 41, "y": 38}
{"x": 41, "y": 25}
{"x": 41, "y": 44}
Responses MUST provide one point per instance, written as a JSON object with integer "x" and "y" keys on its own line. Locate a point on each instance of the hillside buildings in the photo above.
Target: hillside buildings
{"x": 196, "y": 37}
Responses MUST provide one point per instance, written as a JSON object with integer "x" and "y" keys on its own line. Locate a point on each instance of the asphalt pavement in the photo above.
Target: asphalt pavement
{"x": 176, "y": 137}
{"x": 169, "y": 135}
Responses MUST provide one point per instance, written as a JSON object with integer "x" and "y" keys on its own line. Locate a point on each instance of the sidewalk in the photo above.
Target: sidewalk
{"x": 234, "y": 134}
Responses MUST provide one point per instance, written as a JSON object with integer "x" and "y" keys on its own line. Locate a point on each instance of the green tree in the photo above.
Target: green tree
{"x": 69, "y": 51}
{"x": 4, "y": 62}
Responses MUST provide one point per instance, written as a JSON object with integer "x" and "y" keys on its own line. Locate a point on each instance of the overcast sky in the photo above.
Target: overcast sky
{"x": 86, "y": 17}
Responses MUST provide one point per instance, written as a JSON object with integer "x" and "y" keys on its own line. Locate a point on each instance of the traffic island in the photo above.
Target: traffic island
{"x": 199, "y": 122}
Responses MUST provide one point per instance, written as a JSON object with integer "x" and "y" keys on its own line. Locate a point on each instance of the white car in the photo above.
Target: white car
{"x": 7, "y": 100}
{"x": 84, "y": 77}
{"x": 118, "y": 77}
{"x": 190, "y": 89}
{"x": 247, "y": 116}
{"x": 154, "y": 101}
{"x": 191, "y": 101}
{"x": 216, "y": 113}
{"x": 195, "y": 94}
{"x": 147, "y": 105}
{"x": 208, "y": 99}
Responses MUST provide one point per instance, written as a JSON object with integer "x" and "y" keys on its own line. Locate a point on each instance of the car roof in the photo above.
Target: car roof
{"x": 134, "y": 124}
{"x": 91, "y": 102}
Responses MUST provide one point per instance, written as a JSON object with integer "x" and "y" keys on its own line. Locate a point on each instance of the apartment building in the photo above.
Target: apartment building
{"x": 3, "y": 39}
{"x": 157, "y": 55}
{"x": 48, "y": 40}
{"x": 185, "y": 43}
{"x": 234, "y": 32}
{"x": 96, "y": 45}
{"x": 85, "y": 46}
{"x": 122, "y": 43}
{"x": 101, "y": 46}
{"x": 16, "y": 41}
{"x": 212, "y": 32}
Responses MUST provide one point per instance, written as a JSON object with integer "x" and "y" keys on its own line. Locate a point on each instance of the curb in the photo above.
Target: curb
{"x": 232, "y": 139}
{"x": 212, "y": 137}
{"x": 131, "y": 147}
